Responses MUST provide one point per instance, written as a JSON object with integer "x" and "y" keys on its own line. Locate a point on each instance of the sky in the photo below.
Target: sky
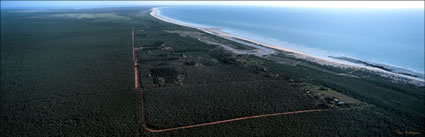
{"x": 306, "y": 4}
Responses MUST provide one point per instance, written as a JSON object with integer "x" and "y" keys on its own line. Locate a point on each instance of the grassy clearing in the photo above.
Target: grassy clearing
{"x": 205, "y": 37}
{"x": 323, "y": 92}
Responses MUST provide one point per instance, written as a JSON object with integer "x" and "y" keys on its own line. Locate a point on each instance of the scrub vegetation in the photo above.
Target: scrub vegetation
{"x": 73, "y": 76}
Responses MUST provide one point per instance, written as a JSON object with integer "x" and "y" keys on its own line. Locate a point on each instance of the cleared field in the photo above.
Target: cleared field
{"x": 323, "y": 92}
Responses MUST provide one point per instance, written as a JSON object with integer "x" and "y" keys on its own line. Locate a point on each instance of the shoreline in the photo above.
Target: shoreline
{"x": 155, "y": 12}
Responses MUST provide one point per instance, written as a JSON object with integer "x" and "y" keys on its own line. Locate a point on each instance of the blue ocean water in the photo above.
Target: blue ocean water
{"x": 388, "y": 36}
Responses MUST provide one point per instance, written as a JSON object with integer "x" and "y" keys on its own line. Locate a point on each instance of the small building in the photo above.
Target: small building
{"x": 167, "y": 48}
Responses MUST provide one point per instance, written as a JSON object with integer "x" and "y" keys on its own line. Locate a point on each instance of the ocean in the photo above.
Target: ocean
{"x": 392, "y": 37}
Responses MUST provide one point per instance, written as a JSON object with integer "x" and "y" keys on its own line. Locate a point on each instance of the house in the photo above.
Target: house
{"x": 340, "y": 103}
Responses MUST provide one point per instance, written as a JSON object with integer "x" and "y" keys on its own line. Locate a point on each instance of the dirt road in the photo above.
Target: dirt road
{"x": 136, "y": 69}
{"x": 230, "y": 120}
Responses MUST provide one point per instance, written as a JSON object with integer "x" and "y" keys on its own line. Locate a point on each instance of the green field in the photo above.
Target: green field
{"x": 70, "y": 73}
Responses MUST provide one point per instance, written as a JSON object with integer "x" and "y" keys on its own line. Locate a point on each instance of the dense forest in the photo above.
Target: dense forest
{"x": 73, "y": 76}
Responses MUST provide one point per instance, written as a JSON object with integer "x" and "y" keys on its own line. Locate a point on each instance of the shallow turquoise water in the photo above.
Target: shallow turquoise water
{"x": 388, "y": 36}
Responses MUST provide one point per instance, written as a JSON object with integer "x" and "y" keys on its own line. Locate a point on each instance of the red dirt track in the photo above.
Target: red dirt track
{"x": 136, "y": 69}
{"x": 229, "y": 120}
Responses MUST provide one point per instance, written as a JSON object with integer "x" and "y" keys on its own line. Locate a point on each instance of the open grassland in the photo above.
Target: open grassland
{"x": 63, "y": 76}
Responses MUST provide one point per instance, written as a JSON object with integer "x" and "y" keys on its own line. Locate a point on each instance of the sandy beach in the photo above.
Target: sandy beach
{"x": 155, "y": 12}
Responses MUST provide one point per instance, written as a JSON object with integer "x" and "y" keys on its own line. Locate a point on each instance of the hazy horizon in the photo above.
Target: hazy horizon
{"x": 303, "y": 4}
